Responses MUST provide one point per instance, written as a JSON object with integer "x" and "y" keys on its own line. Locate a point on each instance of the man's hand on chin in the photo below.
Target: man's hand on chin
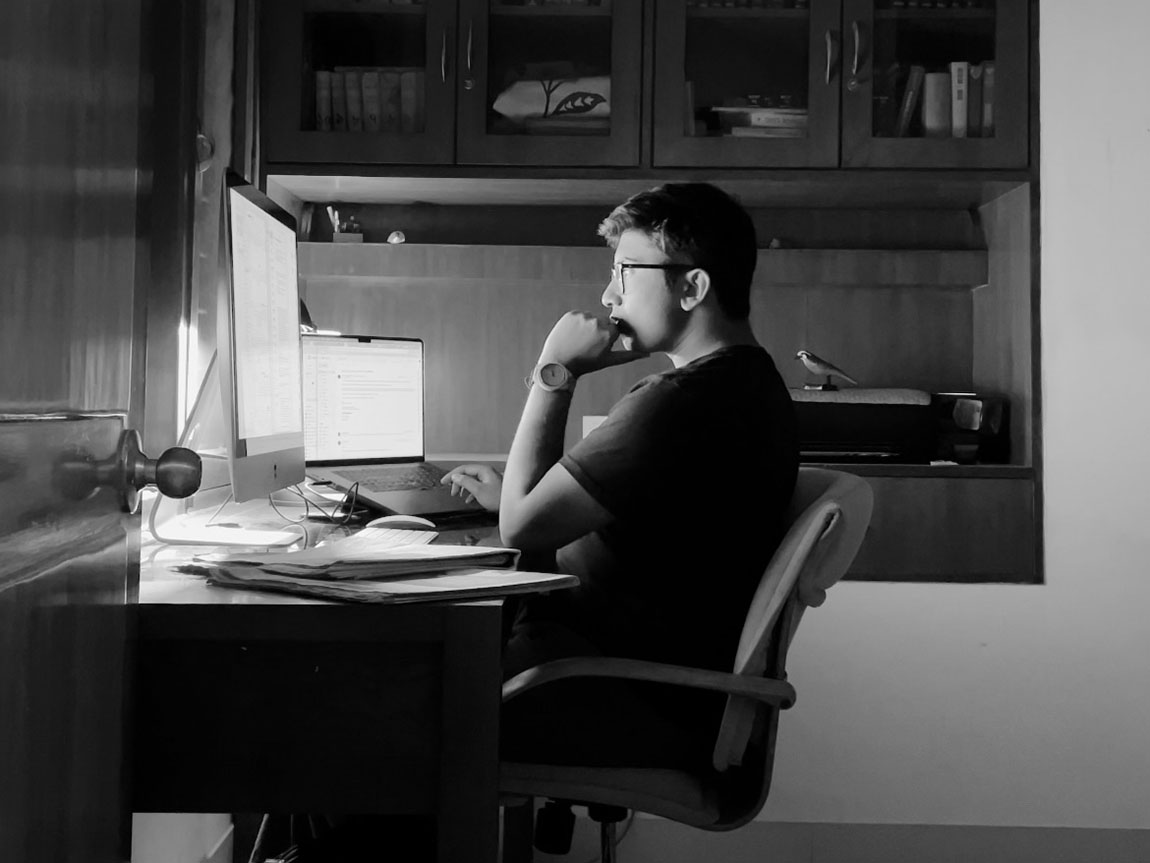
{"x": 584, "y": 343}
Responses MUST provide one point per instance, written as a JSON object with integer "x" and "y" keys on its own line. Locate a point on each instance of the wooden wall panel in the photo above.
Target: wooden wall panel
{"x": 1003, "y": 355}
{"x": 883, "y": 337}
{"x": 949, "y": 529}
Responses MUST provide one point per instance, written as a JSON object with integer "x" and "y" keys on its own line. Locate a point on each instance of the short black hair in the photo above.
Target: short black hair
{"x": 696, "y": 223}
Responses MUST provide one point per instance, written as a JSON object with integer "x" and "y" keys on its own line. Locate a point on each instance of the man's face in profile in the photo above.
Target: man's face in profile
{"x": 638, "y": 298}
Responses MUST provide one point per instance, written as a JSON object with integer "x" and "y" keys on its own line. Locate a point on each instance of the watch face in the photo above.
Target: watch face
{"x": 553, "y": 375}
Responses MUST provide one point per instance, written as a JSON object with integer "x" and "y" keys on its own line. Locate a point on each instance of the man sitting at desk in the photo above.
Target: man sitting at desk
{"x": 669, "y": 511}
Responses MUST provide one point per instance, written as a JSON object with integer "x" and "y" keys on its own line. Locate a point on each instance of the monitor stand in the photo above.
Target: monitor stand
{"x": 208, "y": 517}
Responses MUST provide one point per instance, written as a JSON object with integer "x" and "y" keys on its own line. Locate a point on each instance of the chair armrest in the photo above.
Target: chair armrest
{"x": 777, "y": 692}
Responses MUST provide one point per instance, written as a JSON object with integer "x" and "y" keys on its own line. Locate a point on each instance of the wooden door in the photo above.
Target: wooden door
{"x": 884, "y": 40}
{"x": 747, "y": 86}
{"x": 549, "y": 83}
{"x": 390, "y": 65}
{"x": 69, "y": 381}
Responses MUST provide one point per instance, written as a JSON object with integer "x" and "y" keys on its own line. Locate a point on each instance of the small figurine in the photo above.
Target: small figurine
{"x": 818, "y": 366}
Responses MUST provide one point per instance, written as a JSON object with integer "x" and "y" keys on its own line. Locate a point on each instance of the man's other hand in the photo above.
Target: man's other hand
{"x": 479, "y": 482}
{"x": 582, "y": 342}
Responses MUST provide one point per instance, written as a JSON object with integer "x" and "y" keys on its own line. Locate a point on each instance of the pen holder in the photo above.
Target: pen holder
{"x": 341, "y": 237}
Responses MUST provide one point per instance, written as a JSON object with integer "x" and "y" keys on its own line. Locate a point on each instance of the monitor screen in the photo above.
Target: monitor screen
{"x": 363, "y": 399}
{"x": 259, "y": 344}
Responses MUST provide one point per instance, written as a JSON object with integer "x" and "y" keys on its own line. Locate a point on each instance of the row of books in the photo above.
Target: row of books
{"x": 750, "y": 4}
{"x": 940, "y": 4}
{"x": 957, "y": 103}
{"x": 601, "y": 3}
{"x": 369, "y": 99}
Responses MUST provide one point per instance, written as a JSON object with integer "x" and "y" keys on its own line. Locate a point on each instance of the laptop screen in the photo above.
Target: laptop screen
{"x": 362, "y": 399}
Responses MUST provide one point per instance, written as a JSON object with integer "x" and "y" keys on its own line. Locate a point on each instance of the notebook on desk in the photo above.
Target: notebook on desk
{"x": 364, "y": 423}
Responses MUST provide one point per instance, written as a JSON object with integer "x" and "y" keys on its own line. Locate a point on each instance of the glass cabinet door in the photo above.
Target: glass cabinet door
{"x": 549, "y": 82}
{"x": 358, "y": 80}
{"x": 747, "y": 83}
{"x": 935, "y": 83}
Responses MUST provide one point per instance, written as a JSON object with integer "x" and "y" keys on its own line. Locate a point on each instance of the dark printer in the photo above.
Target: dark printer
{"x": 899, "y": 426}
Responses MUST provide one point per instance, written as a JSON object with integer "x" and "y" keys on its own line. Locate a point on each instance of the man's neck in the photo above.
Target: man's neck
{"x": 716, "y": 335}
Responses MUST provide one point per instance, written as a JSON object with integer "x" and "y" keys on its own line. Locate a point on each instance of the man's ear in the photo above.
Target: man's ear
{"x": 696, "y": 285}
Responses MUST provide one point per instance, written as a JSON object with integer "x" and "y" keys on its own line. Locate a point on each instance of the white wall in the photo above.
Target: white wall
{"x": 998, "y": 705}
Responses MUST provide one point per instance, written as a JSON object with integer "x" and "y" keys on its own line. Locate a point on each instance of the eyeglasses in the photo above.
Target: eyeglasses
{"x": 619, "y": 271}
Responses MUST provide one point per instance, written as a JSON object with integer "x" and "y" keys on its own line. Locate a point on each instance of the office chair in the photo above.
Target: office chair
{"x": 828, "y": 517}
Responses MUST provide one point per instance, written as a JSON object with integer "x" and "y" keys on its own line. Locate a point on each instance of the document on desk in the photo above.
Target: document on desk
{"x": 460, "y": 585}
{"x": 355, "y": 570}
{"x": 349, "y": 559}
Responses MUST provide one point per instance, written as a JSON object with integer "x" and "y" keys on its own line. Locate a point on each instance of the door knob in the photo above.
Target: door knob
{"x": 176, "y": 473}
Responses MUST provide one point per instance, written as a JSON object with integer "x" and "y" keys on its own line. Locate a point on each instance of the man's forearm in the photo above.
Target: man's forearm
{"x": 538, "y": 445}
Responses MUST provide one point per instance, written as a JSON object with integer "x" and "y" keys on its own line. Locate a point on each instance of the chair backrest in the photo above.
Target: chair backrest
{"x": 828, "y": 518}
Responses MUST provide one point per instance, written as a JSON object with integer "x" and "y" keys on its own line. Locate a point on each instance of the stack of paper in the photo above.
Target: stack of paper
{"x": 462, "y": 584}
{"x": 357, "y": 568}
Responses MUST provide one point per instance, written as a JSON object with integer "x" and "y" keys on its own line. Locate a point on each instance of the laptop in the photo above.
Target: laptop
{"x": 363, "y": 416}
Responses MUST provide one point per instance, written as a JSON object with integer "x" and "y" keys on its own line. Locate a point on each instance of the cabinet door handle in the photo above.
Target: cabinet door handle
{"x": 832, "y": 53}
{"x": 470, "y": 24}
{"x": 857, "y": 34}
{"x": 443, "y": 60}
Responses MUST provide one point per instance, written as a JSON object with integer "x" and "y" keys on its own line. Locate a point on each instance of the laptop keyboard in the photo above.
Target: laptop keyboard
{"x": 405, "y": 477}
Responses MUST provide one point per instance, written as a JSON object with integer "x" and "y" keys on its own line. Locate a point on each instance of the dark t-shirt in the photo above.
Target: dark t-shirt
{"x": 696, "y": 466}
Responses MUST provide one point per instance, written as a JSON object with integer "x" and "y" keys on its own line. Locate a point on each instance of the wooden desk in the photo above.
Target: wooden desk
{"x": 258, "y": 702}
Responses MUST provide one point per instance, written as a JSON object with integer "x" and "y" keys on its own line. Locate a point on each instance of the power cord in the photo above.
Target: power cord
{"x": 167, "y": 540}
{"x": 618, "y": 839}
{"x": 347, "y": 504}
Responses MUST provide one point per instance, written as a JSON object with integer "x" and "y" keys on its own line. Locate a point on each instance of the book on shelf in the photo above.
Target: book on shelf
{"x": 411, "y": 100}
{"x": 389, "y": 100}
{"x": 885, "y": 102}
{"x": 988, "y": 99}
{"x": 372, "y": 107}
{"x": 936, "y": 104}
{"x": 768, "y": 132}
{"x": 910, "y": 97}
{"x": 323, "y": 101}
{"x": 338, "y": 102}
{"x": 354, "y": 92}
{"x": 959, "y": 93}
{"x": 974, "y": 101}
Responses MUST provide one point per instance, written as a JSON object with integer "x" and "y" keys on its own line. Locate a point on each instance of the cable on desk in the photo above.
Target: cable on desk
{"x": 152, "y": 529}
{"x": 347, "y": 503}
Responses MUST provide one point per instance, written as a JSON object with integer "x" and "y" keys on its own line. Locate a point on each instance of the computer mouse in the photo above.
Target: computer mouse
{"x": 402, "y": 522}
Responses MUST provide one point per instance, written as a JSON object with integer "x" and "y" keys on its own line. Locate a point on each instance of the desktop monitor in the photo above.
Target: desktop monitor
{"x": 259, "y": 364}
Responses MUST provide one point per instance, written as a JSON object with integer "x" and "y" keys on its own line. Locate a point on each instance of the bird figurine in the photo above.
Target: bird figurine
{"x": 818, "y": 366}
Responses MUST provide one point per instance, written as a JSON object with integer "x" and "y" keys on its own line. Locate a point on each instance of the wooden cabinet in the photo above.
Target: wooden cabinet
{"x": 788, "y": 83}
{"x": 578, "y": 64}
{"x": 780, "y": 62}
{"x": 886, "y": 39}
{"x": 769, "y": 84}
{"x": 311, "y": 49}
{"x": 377, "y": 82}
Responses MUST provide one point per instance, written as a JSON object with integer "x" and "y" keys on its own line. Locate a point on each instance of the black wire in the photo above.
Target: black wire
{"x": 618, "y": 839}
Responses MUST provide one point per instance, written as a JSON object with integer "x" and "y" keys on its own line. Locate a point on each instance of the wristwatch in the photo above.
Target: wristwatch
{"x": 552, "y": 377}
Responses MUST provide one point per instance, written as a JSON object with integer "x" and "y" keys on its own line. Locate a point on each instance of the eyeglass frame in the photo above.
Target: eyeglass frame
{"x": 619, "y": 267}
